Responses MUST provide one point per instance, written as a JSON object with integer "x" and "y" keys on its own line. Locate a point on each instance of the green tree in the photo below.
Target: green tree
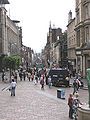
{"x": 11, "y": 62}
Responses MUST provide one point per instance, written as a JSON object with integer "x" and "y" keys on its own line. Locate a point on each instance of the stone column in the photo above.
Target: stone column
{"x": 84, "y": 66}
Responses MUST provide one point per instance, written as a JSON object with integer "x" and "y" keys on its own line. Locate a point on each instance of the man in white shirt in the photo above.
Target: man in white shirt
{"x": 13, "y": 87}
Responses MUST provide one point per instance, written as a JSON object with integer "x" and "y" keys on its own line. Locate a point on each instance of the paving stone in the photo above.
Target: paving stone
{"x": 32, "y": 103}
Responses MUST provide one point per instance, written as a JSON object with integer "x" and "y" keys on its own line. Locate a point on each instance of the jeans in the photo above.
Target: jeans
{"x": 70, "y": 112}
{"x": 13, "y": 91}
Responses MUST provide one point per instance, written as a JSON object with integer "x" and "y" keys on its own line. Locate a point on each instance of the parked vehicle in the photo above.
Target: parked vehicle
{"x": 59, "y": 77}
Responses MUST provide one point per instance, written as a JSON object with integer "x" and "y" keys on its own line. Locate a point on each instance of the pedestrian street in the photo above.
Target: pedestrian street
{"x": 32, "y": 103}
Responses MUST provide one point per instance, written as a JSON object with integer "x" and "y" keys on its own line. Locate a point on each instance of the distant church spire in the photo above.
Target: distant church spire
{"x": 50, "y": 28}
{"x": 4, "y": 2}
{"x": 69, "y": 16}
{"x": 50, "y": 24}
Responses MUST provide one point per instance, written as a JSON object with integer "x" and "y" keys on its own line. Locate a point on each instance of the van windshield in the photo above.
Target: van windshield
{"x": 58, "y": 72}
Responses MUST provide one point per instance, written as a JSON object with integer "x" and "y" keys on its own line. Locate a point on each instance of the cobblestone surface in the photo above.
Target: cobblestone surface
{"x": 32, "y": 103}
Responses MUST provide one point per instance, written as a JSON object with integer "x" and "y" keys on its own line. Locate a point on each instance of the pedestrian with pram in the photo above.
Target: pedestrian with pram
{"x": 76, "y": 105}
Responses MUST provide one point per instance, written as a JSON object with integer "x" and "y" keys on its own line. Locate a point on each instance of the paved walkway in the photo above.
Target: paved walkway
{"x": 32, "y": 103}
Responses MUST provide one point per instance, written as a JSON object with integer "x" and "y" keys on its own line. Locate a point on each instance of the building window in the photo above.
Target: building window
{"x": 70, "y": 41}
{"x": 78, "y": 38}
{"x": 86, "y": 12}
{"x": 86, "y": 34}
{"x": 77, "y": 15}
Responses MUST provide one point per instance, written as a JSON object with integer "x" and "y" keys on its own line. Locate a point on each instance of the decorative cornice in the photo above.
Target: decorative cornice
{"x": 85, "y": 2}
{"x": 71, "y": 21}
{"x": 79, "y": 25}
{"x": 87, "y": 21}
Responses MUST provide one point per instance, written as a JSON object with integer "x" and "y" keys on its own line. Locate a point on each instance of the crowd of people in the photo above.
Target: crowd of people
{"x": 40, "y": 76}
{"x": 33, "y": 75}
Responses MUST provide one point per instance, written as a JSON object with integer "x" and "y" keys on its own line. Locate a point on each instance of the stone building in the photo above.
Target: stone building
{"x": 78, "y": 35}
{"x": 71, "y": 43}
{"x": 82, "y": 28}
{"x": 51, "y": 50}
{"x": 26, "y": 55}
{"x": 55, "y": 51}
{"x": 10, "y": 33}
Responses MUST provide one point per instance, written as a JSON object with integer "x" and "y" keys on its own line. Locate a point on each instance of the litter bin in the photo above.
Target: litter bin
{"x": 61, "y": 93}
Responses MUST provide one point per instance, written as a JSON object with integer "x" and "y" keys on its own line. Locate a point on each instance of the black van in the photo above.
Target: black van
{"x": 58, "y": 77}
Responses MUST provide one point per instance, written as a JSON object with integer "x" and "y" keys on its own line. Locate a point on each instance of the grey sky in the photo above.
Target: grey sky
{"x": 35, "y": 15}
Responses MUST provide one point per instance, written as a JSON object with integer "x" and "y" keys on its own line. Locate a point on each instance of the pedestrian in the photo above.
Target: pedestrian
{"x": 78, "y": 84}
{"x": 36, "y": 79}
{"x": 13, "y": 87}
{"x": 20, "y": 75}
{"x": 70, "y": 104}
{"x": 76, "y": 104}
{"x": 3, "y": 74}
{"x": 24, "y": 75}
{"x": 15, "y": 77}
{"x": 70, "y": 73}
{"x": 42, "y": 82}
{"x": 75, "y": 86}
{"x": 49, "y": 82}
{"x": 29, "y": 76}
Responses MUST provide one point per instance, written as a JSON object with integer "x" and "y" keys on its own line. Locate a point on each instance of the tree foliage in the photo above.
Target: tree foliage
{"x": 11, "y": 62}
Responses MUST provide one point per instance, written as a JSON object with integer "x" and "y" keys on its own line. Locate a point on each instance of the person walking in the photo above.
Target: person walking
{"x": 75, "y": 86}
{"x": 3, "y": 75}
{"x": 36, "y": 79}
{"x": 20, "y": 75}
{"x": 24, "y": 75}
{"x": 42, "y": 82}
{"x": 13, "y": 87}
{"x": 76, "y": 104}
{"x": 49, "y": 81}
{"x": 15, "y": 77}
{"x": 70, "y": 104}
{"x": 29, "y": 76}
